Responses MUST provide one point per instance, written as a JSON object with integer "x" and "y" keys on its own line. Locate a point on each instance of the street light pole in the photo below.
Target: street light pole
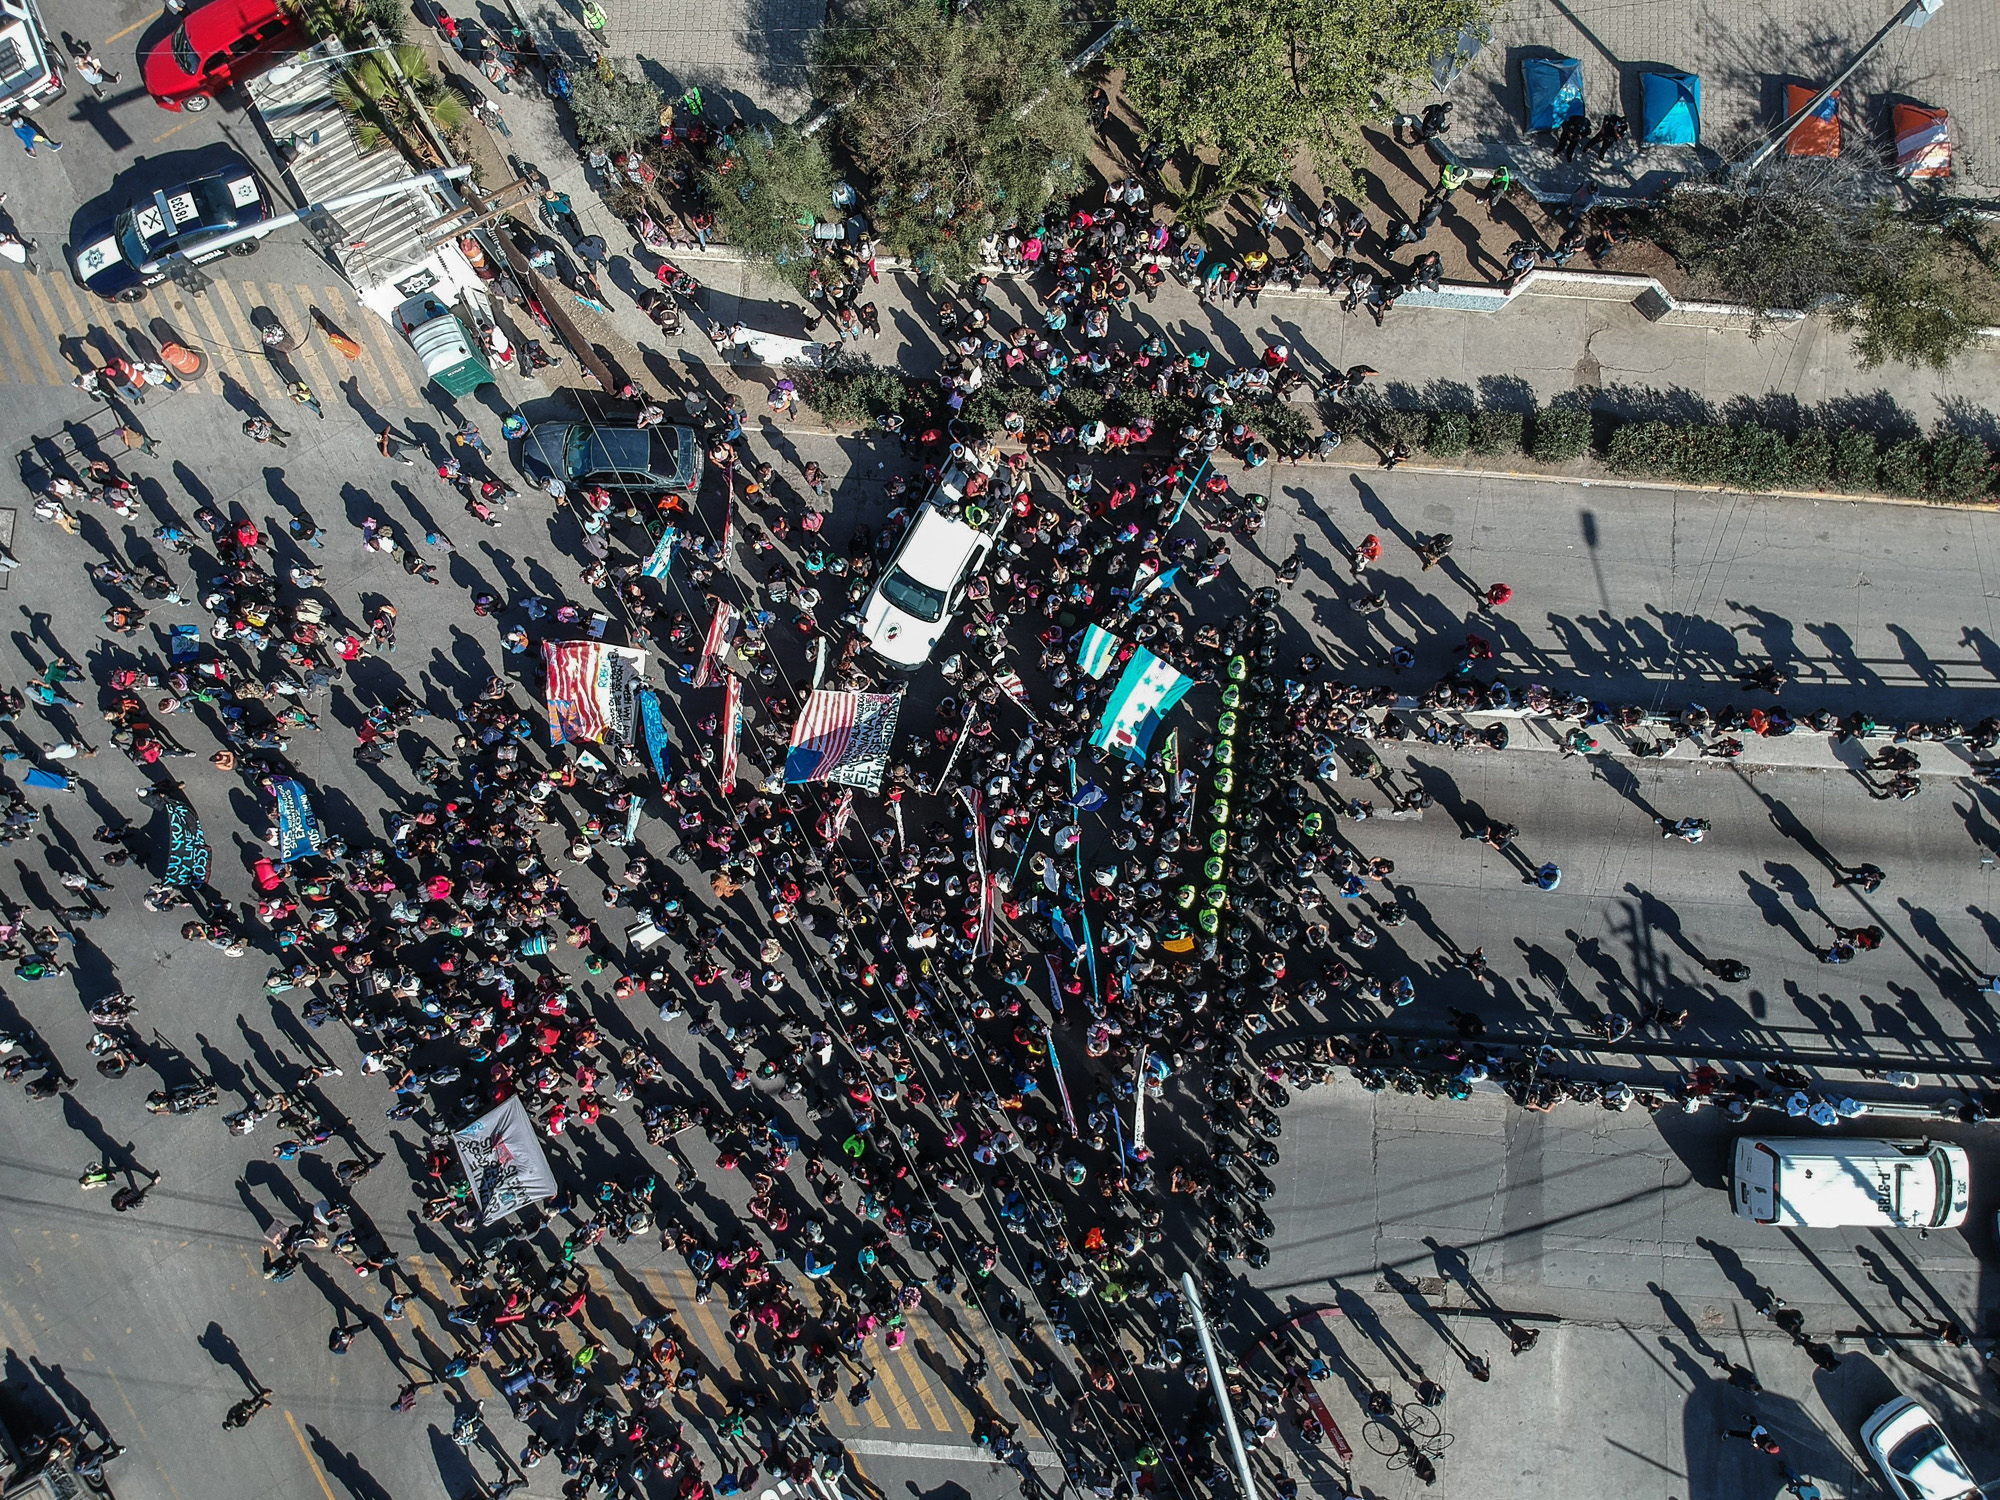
{"x": 437, "y": 178}
{"x": 1243, "y": 1475}
{"x": 1913, "y": 15}
{"x": 285, "y": 72}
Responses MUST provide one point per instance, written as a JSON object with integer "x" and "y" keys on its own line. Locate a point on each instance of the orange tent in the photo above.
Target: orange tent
{"x": 1819, "y": 133}
{"x": 1922, "y": 148}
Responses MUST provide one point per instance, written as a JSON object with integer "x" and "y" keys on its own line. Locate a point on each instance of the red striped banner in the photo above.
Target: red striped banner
{"x": 732, "y": 724}
{"x": 720, "y": 629}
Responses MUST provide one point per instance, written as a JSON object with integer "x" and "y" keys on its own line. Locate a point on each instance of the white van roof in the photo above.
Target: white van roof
{"x": 1844, "y": 1181}
{"x": 936, "y": 548}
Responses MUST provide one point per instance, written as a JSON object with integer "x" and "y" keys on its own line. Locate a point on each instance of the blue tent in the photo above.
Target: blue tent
{"x": 1554, "y": 90}
{"x": 1672, "y": 112}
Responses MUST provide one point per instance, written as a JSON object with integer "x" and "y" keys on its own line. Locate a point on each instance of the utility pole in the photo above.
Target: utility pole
{"x": 1243, "y": 1474}
{"x": 1913, "y": 15}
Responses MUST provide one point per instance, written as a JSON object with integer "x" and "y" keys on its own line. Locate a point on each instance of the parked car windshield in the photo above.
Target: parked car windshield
{"x": 1914, "y": 1449}
{"x": 912, "y": 597}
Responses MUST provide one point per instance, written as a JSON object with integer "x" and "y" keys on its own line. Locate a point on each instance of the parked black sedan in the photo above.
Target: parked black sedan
{"x": 622, "y": 458}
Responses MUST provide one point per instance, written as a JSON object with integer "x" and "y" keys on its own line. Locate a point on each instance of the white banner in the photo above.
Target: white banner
{"x": 504, "y": 1162}
{"x": 1139, "y": 1105}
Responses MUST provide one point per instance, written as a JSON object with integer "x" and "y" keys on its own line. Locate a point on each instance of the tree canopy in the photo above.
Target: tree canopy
{"x": 614, "y": 111}
{"x": 767, "y": 189}
{"x": 965, "y": 121}
{"x": 1249, "y": 82}
{"x": 1813, "y": 234}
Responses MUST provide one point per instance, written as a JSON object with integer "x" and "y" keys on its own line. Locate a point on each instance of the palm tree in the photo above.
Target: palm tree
{"x": 368, "y": 90}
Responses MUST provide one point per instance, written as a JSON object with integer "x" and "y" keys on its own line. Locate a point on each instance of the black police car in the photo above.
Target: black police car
{"x": 183, "y": 218}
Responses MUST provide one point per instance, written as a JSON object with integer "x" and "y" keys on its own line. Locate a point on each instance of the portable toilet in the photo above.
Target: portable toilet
{"x": 451, "y": 359}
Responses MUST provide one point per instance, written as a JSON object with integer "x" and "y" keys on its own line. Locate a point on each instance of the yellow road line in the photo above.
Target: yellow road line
{"x": 414, "y": 1308}
{"x": 311, "y": 1462}
{"x": 132, "y": 1412}
{"x": 369, "y": 376}
{"x": 173, "y": 130}
{"x": 885, "y": 1374}
{"x": 16, "y": 370}
{"x": 195, "y": 322}
{"x": 949, "y": 1390}
{"x": 395, "y": 356}
{"x": 315, "y": 371}
{"x": 253, "y": 370}
{"x": 142, "y": 21}
{"x": 17, "y": 1330}
{"x": 79, "y": 306}
{"x": 51, "y": 314}
{"x": 876, "y": 1416}
{"x": 372, "y": 370}
{"x": 32, "y": 332}
{"x": 920, "y": 1378}
{"x": 721, "y": 1348}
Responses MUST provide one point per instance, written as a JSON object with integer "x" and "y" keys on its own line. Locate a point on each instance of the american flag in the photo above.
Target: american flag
{"x": 843, "y": 737}
{"x": 576, "y": 708}
{"x": 732, "y": 725}
{"x": 720, "y": 629}
{"x": 1010, "y": 683}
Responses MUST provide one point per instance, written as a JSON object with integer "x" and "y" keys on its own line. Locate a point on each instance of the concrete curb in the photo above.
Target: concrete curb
{"x": 1578, "y": 1051}
{"x": 1619, "y": 482}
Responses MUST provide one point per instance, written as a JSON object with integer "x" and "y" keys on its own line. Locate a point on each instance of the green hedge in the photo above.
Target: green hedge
{"x": 1498, "y": 432}
{"x": 1559, "y": 434}
{"x": 1450, "y": 434}
{"x": 1944, "y": 466}
{"x": 851, "y": 391}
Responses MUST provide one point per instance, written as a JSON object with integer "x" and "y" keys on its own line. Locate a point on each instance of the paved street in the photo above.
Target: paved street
{"x": 1407, "y": 1230}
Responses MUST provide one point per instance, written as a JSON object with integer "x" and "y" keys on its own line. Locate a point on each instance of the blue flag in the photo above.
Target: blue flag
{"x": 299, "y": 831}
{"x": 1153, "y": 585}
{"x": 662, "y": 560}
{"x": 1146, "y": 693}
{"x": 1089, "y": 797}
{"x": 1057, "y": 921}
{"x": 656, "y": 732}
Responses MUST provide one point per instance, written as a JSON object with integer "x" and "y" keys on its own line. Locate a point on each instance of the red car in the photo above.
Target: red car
{"x": 220, "y": 45}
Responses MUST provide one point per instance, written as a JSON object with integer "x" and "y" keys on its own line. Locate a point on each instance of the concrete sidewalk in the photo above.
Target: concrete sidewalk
{"x": 1561, "y": 335}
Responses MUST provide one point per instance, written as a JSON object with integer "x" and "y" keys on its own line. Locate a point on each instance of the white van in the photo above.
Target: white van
{"x": 949, "y": 540}
{"x": 1822, "y": 1182}
{"x": 30, "y": 75}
